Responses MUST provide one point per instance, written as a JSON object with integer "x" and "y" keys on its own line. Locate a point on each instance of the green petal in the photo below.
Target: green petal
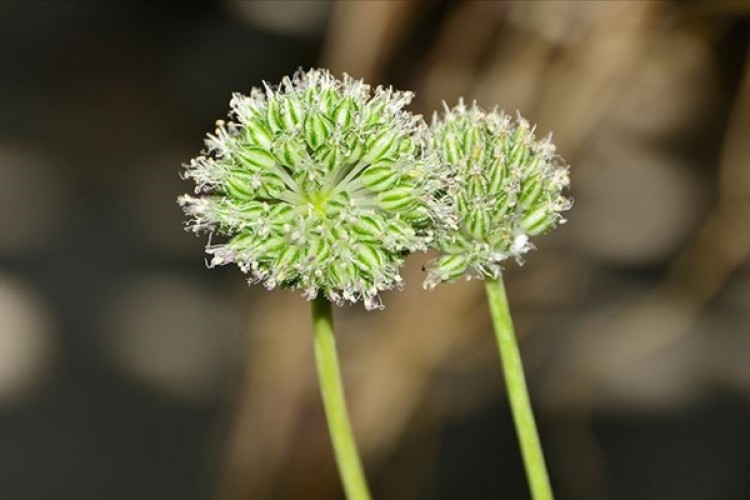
{"x": 255, "y": 159}
{"x": 368, "y": 228}
{"x": 257, "y": 133}
{"x": 450, "y": 267}
{"x": 291, "y": 113}
{"x": 273, "y": 117}
{"x": 368, "y": 259}
{"x": 379, "y": 178}
{"x": 241, "y": 185}
{"x": 400, "y": 198}
{"x": 344, "y": 112}
{"x": 317, "y": 130}
{"x": 381, "y": 145}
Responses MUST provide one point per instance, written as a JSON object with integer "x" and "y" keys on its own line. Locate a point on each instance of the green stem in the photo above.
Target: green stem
{"x": 332, "y": 391}
{"x": 518, "y": 395}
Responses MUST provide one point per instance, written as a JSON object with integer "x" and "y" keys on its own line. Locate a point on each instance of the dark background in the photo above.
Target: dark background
{"x": 127, "y": 370}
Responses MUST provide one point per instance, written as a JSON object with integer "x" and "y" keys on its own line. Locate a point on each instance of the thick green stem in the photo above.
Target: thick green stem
{"x": 518, "y": 395}
{"x": 332, "y": 391}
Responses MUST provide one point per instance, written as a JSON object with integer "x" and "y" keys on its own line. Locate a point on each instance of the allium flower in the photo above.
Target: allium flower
{"x": 319, "y": 185}
{"x": 505, "y": 187}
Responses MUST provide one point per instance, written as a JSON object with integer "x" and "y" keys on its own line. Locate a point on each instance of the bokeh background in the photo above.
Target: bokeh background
{"x": 129, "y": 371}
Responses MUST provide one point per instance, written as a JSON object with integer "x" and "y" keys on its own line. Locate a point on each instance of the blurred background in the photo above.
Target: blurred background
{"x": 129, "y": 371}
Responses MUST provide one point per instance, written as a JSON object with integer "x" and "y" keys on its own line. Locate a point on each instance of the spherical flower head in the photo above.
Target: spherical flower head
{"x": 317, "y": 184}
{"x": 506, "y": 186}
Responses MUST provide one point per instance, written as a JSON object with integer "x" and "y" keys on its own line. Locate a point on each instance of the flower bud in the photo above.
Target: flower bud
{"x": 506, "y": 186}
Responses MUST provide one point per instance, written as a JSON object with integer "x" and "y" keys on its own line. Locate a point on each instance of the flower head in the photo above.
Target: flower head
{"x": 505, "y": 187}
{"x": 318, "y": 184}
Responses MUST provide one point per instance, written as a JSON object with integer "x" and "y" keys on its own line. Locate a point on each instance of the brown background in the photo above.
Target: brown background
{"x": 129, "y": 371}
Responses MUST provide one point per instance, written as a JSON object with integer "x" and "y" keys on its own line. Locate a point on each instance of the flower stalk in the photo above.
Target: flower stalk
{"x": 506, "y": 186}
{"x": 332, "y": 392}
{"x": 518, "y": 395}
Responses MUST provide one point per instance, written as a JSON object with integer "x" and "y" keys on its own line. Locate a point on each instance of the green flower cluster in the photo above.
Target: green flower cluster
{"x": 505, "y": 187}
{"x": 320, "y": 185}
{"x": 326, "y": 185}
